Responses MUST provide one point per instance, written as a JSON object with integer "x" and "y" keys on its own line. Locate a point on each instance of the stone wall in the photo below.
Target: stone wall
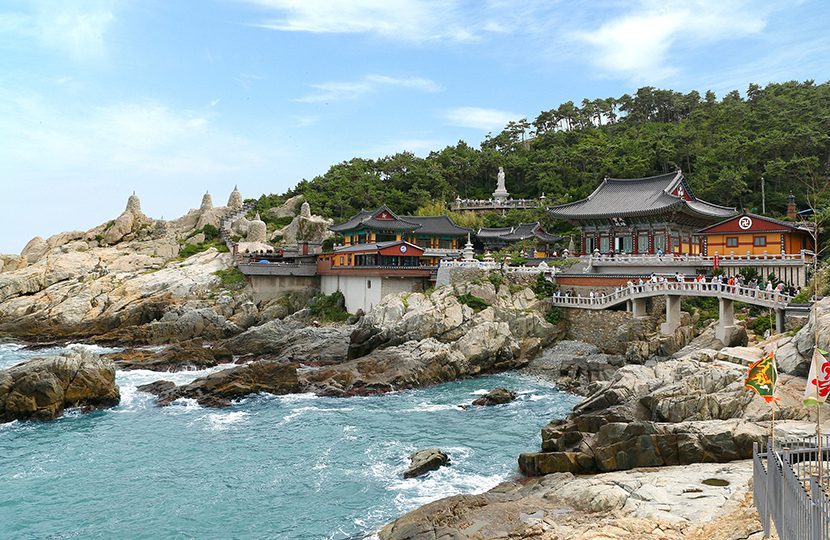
{"x": 616, "y": 332}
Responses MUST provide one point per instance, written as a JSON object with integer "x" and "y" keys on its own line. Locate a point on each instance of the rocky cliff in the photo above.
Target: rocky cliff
{"x": 121, "y": 274}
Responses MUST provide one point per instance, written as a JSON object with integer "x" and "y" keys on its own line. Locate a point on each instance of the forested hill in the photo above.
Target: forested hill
{"x": 780, "y": 132}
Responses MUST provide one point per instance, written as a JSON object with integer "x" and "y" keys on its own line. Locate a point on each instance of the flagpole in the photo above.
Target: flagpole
{"x": 815, "y": 335}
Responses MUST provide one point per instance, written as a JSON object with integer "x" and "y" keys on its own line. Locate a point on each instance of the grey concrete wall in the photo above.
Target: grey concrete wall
{"x": 268, "y": 287}
{"x": 365, "y": 292}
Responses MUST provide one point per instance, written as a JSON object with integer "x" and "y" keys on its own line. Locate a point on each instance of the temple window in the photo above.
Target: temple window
{"x": 759, "y": 241}
{"x": 642, "y": 243}
{"x": 731, "y": 241}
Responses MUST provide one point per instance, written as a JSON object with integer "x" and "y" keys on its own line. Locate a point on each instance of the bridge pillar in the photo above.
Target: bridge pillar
{"x": 638, "y": 308}
{"x": 672, "y": 315}
{"x": 726, "y": 325}
{"x": 780, "y": 320}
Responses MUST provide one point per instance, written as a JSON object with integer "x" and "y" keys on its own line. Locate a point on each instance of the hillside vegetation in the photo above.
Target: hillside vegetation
{"x": 725, "y": 146}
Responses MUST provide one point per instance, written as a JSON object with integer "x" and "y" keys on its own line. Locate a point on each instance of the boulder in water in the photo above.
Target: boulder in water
{"x": 497, "y": 396}
{"x": 424, "y": 461}
{"x": 221, "y": 388}
{"x": 42, "y": 388}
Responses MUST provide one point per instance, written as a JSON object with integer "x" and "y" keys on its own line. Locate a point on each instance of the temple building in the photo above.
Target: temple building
{"x": 531, "y": 236}
{"x": 751, "y": 234}
{"x": 642, "y": 216}
{"x": 438, "y": 236}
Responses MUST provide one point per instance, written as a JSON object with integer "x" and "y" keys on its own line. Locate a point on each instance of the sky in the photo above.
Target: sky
{"x": 172, "y": 98}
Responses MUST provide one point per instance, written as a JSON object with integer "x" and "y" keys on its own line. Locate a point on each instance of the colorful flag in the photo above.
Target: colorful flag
{"x": 818, "y": 382}
{"x": 762, "y": 376}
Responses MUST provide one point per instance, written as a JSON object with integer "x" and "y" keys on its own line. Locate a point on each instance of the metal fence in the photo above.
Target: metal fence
{"x": 787, "y": 491}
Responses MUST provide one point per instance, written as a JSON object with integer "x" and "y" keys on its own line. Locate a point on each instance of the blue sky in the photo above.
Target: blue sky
{"x": 171, "y": 98}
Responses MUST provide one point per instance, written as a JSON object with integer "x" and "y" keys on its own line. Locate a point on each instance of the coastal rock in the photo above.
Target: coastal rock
{"x": 424, "y": 461}
{"x": 794, "y": 355}
{"x": 219, "y": 389}
{"x": 306, "y": 227}
{"x": 669, "y": 503}
{"x": 182, "y": 356}
{"x": 441, "y": 316}
{"x": 574, "y": 365}
{"x": 120, "y": 274}
{"x": 289, "y": 208}
{"x": 42, "y": 388}
{"x": 672, "y": 412}
{"x": 293, "y": 341}
{"x": 497, "y": 396}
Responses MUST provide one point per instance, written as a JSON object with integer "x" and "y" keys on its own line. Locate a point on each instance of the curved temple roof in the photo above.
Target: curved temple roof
{"x": 628, "y": 197}
{"x": 385, "y": 220}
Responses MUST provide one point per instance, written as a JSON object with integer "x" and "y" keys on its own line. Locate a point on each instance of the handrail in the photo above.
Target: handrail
{"x": 709, "y": 260}
{"x": 694, "y": 288}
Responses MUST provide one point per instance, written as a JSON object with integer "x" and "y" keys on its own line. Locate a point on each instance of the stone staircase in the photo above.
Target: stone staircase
{"x": 229, "y": 219}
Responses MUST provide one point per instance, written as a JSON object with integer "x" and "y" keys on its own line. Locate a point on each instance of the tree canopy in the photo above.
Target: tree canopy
{"x": 780, "y": 132}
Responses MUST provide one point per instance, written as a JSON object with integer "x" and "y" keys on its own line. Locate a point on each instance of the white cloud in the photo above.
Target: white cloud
{"x": 140, "y": 137}
{"x": 75, "y": 28}
{"x": 479, "y": 118}
{"x": 405, "y": 20}
{"x": 346, "y": 90}
{"x": 640, "y": 43}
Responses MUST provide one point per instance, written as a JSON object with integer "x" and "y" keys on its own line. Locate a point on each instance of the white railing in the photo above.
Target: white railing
{"x": 698, "y": 260}
{"x": 472, "y": 204}
{"x": 687, "y": 288}
{"x": 491, "y": 265}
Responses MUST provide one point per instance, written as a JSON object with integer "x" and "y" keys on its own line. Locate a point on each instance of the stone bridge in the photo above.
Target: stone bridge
{"x": 635, "y": 299}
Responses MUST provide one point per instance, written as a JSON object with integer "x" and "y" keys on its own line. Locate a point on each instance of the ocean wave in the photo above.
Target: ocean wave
{"x": 432, "y": 407}
{"x": 299, "y": 411}
{"x": 223, "y": 421}
{"x": 291, "y": 398}
{"x": 88, "y": 347}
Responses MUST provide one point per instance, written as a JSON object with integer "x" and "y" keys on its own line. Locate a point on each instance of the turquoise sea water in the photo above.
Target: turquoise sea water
{"x": 294, "y": 466}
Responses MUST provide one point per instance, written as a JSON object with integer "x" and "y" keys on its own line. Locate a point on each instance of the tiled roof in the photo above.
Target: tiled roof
{"x": 786, "y": 225}
{"x": 623, "y": 197}
{"x": 437, "y": 225}
{"x": 522, "y": 231}
{"x": 366, "y": 219}
{"x": 493, "y": 232}
{"x": 374, "y": 246}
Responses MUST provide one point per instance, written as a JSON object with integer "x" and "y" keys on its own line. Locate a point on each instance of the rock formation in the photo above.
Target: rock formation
{"x": 305, "y": 228}
{"x": 192, "y": 354}
{"x": 794, "y": 354}
{"x": 119, "y": 276}
{"x": 41, "y": 388}
{"x": 221, "y": 388}
{"x": 207, "y": 202}
{"x": 288, "y": 208}
{"x": 675, "y": 412}
{"x": 670, "y": 503}
{"x": 497, "y": 396}
{"x": 235, "y": 199}
{"x": 129, "y": 223}
{"x": 257, "y": 232}
{"x": 424, "y": 461}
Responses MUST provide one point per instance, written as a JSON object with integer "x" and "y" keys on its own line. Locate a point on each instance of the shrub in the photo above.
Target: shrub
{"x": 329, "y": 307}
{"x": 543, "y": 287}
{"x": 749, "y": 273}
{"x": 210, "y": 232}
{"x": 707, "y": 308}
{"x": 474, "y": 302}
{"x": 553, "y": 315}
{"x": 231, "y": 278}
{"x": 496, "y": 279}
{"x": 761, "y": 324}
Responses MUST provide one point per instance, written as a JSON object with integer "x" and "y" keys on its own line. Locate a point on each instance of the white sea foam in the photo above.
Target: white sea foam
{"x": 432, "y": 407}
{"x": 299, "y": 411}
{"x": 480, "y": 392}
{"x": 291, "y": 398}
{"x": 223, "y": 421}
{"x": 96, "y": 349}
